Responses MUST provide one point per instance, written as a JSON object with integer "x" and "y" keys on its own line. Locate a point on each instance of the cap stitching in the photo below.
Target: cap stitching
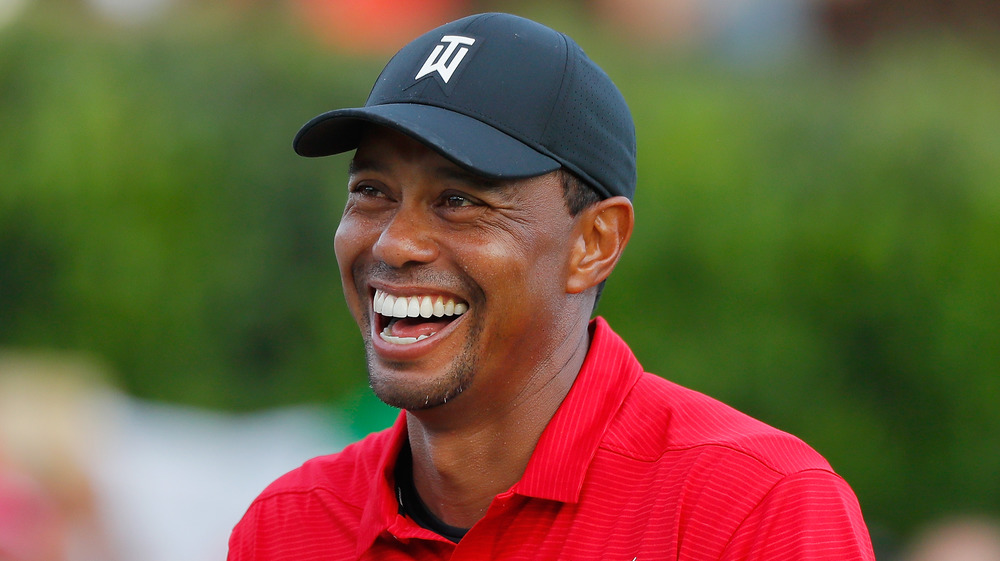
{"x": 557, "y": 102}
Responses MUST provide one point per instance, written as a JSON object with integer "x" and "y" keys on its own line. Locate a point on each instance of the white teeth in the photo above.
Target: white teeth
{"x": 399, "y": 308}
{"x": 402, "y": 340}
{"x": 413, "y": 306}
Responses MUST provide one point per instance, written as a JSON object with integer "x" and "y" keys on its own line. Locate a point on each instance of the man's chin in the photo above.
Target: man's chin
{"x": 415, "y": 391}
{"x": 410, "y": 400}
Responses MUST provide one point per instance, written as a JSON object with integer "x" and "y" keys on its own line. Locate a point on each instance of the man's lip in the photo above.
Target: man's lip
{"x": 411, "y": 351}
{"x": 388, "y": 304}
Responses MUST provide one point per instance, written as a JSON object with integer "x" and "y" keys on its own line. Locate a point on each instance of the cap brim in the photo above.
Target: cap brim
{"x": 468, "y": 142}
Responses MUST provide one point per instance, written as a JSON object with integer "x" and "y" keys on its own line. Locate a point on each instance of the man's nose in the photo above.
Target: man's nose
{"x": 407, "y": 238}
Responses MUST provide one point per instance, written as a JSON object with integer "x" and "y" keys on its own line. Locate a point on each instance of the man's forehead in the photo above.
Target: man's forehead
{"x": 379, "y": 145}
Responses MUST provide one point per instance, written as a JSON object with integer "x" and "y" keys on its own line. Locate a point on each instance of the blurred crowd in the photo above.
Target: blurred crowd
{"x": 48, "y": 509}
{"x": 88, "y": 474}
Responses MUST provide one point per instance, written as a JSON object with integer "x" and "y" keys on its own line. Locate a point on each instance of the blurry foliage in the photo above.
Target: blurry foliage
{"x": 818, "y": 247}
{"x": 816, "y": 244}
{"x": 152, "y": 209}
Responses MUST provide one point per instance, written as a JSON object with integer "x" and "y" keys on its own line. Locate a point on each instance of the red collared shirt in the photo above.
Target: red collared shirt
{"x": 631, "y": 467}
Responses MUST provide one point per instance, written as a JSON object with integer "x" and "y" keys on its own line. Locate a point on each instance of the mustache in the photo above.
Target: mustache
{"x": 417, "y": 274}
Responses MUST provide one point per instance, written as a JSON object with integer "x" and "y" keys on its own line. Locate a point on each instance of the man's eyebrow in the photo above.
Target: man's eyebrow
{"x": 357, "y": 166}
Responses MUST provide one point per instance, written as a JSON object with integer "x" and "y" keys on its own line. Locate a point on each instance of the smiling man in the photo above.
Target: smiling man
{"x": 489, "y": 199}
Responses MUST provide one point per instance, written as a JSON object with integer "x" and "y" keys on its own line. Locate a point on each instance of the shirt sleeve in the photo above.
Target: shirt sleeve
{"x": 241, "y": 540}
{"x": 296, "y": 526}
{"x": 807, "y": 516}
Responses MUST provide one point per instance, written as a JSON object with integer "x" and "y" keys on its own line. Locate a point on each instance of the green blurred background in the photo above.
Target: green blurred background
{"x": 818, "y": 214}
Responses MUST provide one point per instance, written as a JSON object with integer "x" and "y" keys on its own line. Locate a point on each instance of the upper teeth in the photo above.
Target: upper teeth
{"x": 414, "y": 306}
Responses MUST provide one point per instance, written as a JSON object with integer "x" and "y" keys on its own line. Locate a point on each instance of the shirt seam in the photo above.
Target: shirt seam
{"x": 770, "y": 491}
{"x": 755, "y": 457}
{"x": 267, "y": 497}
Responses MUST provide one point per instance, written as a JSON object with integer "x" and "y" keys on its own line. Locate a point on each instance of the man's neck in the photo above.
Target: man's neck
{"x": 464, "y": 457}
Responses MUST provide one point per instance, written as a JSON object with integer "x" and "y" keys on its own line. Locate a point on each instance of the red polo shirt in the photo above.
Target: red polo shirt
{"x": 631, "y": 467}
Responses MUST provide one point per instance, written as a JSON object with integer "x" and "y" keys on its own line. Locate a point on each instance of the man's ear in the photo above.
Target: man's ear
{"x": 601, "y": 234}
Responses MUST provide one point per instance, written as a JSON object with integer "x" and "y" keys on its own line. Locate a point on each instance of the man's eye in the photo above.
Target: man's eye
{"x": 455, "y": 201}
{"x": 367, "y": 191}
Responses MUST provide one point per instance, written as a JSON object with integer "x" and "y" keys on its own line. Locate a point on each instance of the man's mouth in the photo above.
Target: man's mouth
{"x": 405, "y": 320}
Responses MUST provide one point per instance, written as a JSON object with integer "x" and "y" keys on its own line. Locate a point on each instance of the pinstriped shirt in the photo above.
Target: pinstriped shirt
{"x": 631, "y": 467}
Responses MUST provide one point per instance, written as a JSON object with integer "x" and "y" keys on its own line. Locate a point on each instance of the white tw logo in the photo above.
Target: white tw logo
{"x": 445, "y": 63}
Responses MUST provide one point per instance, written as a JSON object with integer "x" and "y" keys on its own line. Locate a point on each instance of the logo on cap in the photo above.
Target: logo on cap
{"x": 446, "y": 57}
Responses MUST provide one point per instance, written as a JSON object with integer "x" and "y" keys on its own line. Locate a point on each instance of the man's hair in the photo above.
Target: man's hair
{"x": 579, "y": 195}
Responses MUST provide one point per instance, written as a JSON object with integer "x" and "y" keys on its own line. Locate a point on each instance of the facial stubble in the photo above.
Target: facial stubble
{"x": 428, "y": 393}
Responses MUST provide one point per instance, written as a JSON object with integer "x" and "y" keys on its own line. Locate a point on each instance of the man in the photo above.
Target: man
{"x": 489, "y": 199}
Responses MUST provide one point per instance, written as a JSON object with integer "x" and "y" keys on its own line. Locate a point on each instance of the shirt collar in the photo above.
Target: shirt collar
{"x": 381, "y": 509}
{"x": 558, "y": 465}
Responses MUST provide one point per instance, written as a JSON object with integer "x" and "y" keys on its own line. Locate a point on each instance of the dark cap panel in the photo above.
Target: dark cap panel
{"x": 500, "y": 95}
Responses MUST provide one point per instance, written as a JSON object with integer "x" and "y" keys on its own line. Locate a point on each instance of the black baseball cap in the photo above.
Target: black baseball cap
{"x": 500, "y": 95}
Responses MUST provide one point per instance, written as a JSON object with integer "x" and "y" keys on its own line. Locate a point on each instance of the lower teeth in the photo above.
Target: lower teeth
{"x": 386, "y": 336}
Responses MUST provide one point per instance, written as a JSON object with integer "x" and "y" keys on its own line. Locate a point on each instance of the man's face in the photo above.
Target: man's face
{"x": 478, "y": 268}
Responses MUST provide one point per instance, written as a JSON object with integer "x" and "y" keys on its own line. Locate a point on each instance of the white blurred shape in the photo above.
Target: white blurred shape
{"x": 173, "y": 481}
{"x": 966, "y": 538}
{"x": 10, "y": 10}
{"x": 130, "y": 11}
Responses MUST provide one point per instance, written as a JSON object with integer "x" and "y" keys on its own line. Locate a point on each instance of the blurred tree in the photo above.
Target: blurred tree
{"x": 150, "y": 212}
